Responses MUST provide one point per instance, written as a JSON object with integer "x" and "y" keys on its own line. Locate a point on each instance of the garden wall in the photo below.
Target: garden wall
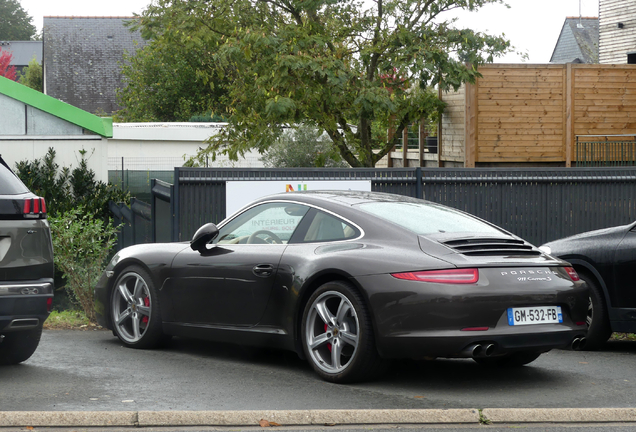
{"x": 532, "y": 114}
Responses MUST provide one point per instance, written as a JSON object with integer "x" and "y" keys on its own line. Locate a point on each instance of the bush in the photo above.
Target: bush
{"x": 82, "y": 245}
{"x": 32, "y": 75}
{"x": 64, "y": 189}
{"x": 74, "y": 199}
{"x": 305, "y": 147}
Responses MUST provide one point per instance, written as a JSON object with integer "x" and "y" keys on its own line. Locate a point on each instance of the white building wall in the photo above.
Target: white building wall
{"x": 27, "y": 133}
{"x": 163, "y": 146}
{"x": 617, "y": 30}
{"x": 67, "y": 148}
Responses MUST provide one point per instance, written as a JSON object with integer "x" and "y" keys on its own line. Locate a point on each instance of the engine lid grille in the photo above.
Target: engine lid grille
{"x": 492, "y": 247}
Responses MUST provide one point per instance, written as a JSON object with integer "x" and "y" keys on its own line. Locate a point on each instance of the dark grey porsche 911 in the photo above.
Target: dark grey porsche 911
{"x": 349, "y": 280}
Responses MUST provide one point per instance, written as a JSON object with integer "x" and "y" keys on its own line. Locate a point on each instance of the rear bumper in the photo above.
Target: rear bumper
{"x": 459, "y": 344}
{"x": 414, "y": 319}
{"x": 24, "y": 304}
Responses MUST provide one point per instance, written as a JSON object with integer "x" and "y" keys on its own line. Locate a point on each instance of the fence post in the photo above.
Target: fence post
{"x": 418, "y": 182}
{"x": 174, "y": 207}
{"x": 153, "y": 210}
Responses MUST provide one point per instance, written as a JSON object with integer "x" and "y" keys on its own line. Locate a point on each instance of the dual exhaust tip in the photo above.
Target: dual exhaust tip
{"x": 487, "y": 350}
{"x": 481, "y": 350}
{"x": 578, "y": 343}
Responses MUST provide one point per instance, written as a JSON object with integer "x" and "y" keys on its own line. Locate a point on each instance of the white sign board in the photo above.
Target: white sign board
{"x": 241, "y": 193}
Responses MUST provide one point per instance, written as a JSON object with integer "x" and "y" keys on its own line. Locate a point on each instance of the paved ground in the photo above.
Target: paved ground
{"x": 90, "y": 375}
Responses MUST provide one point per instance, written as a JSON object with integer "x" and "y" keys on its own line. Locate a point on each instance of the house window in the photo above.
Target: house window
{"x": 631, "y": 58}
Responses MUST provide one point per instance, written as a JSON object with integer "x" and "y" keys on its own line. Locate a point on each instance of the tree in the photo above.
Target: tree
{"x": 32, "y": 75}
{"x": 6, "y": 69}
{"x": 15, "y": 23}
{"x": 350, "y": 68}
{"x": 303, "y": 147}
{"x": 163, "y": 82}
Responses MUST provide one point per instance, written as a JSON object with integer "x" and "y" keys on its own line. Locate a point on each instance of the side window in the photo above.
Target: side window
{"x": 272, "y": 223}
{"x": 325, "y": 227}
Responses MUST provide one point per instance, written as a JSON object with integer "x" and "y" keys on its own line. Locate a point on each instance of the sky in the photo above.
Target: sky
{"x": 532, "y": 26}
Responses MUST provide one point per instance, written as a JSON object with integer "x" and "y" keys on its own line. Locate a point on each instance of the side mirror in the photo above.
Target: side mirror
{"x": 203, "y": 236}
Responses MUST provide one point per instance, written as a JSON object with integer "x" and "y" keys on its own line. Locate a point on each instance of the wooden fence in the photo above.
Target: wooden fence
{"x": 532, "y": 114}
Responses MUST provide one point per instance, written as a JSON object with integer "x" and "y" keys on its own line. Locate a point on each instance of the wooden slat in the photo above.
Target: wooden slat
{"x": 512, "y": 109}
{"x": 531, "y": 130}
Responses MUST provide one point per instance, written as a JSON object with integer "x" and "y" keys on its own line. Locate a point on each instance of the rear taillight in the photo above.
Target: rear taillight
{"x": 572, "y": 273}
{"x": 49, "y": 304}
{"x": 451, "y": 276}
{"x": 34, "y": 208}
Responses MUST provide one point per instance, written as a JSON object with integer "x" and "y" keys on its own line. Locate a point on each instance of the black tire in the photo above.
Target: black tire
{"x": 17, "y": 347}
{"x": 135, "y": 311}
{"x": 517, "y": 359}
{"x": 342, "y": 350}
{"x": 598, "y": 325}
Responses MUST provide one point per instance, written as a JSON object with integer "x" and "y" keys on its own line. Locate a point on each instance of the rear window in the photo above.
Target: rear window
{"x": 427, "y": 218}
{"x": 9, "y": 183}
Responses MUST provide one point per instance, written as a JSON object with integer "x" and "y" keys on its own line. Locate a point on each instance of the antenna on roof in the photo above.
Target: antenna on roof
{"x": 580, "y": 24}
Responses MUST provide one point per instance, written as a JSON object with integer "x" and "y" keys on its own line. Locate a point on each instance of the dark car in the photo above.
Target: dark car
{"x": 348, "y": 280}
{"x": 605, "y": 260}
{"x": 26, "y": 268}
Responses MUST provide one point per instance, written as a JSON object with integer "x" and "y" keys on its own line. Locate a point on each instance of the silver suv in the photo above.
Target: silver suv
{"x": 26, "y": 268}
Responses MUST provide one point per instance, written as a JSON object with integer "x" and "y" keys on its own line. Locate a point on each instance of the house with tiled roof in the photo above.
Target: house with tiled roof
{"x": 82, "y": 57}
{"x": 578, "y": 41}
{"x": 32, "y": 122}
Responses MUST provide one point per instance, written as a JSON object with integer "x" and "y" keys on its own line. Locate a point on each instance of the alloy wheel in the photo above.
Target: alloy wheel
{"x": 332, "y": 332}
{"x": 131, "y": 307}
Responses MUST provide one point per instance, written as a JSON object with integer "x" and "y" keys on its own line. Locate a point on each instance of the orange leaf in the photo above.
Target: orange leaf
{"x": 263, "y": 423}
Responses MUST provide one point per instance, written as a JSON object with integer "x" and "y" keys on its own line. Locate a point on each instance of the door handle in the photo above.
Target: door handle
{"x": 263, "y": 270}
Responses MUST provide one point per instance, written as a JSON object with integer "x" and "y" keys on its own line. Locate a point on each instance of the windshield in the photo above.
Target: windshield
{"x": 427, "y": 218}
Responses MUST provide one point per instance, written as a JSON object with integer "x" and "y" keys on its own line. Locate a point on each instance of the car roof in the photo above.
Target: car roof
{"x": 343, "y": 198}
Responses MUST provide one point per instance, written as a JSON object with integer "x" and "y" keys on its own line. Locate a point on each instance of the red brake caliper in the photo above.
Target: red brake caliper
{"x": 328, "y": 345}
{"x": 147, "y": 303}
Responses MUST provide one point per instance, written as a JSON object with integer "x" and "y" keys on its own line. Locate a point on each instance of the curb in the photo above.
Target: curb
{"x": 314, "y": 417}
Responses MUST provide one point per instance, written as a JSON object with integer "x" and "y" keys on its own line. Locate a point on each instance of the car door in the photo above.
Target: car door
{"x": 625, "y": 262}
{"x": 230, "y": 283}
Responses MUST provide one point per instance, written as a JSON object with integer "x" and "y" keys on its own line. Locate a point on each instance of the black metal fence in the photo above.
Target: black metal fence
{"x": 135, "y": 222}
{"x": 537, "y": 204}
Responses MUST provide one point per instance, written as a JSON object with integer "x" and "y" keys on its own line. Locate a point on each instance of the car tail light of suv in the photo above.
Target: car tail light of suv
{"x": 34, "y": 208}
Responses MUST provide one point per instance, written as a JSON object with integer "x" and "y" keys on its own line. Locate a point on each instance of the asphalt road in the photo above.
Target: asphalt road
{"x": 610, "y": 427}
{"x": 91, "y": 371}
